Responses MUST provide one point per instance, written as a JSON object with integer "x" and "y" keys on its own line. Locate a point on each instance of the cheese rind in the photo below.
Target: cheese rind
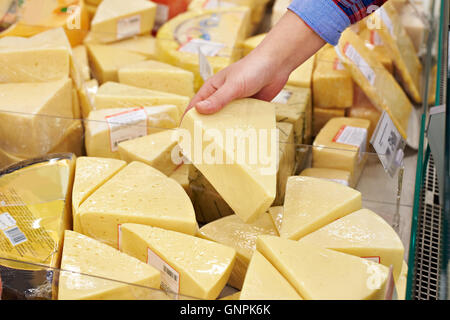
{"x": 203, "y": 266}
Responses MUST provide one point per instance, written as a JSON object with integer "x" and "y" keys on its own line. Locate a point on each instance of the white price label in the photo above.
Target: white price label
{"x": 162, "y": 15}
{"x": 340, "y": 181}
{"x": 354, "y": 56}
{"x": 353, "y": 136}
{"x": 128, "y": 27}
{"x": 6, "y": 221}
{"x": 204, "y": 66}
{"x": 170, "y": 278}
{"x": 208, "y": 48}
{"x": 337, "y": 65}
{"x": 387, "y": 20}
{"x": 282, "y": 97}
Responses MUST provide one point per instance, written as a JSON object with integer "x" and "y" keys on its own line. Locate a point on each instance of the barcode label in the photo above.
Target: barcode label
{"x": 128, "y": 27}
{"x": 15, "y": 236}
{"x": 170, "y": 278}
{"x": 354, "y": 56}
{"x": 6, "y": 221}
{"x": 170, "y": 273}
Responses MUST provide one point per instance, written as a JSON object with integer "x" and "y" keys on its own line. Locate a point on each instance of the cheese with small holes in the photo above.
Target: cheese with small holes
{"x": 286, "y": 159}
{"x": 90, "y": 174}
{"x": 202, "y": 266}
{"x": 233, "y": 232}
{"x": 264, "y": 282}
{"x": 136, "y": 194}
{"x": 374, "y": 43}
{"x": 276, "y": 213}
{"x": 376, "y": 82}
{"x": 117, "y": 95}
{"x": 81, "y": 59}
{"x": 312, "y": 203}
{"x": 342, "y": 144}
{"x": 106, "y": 128}
{"x": 105, "y": 61}
{"x": 339, "y": 176}
{"x": 86, "y": 95}
{"x": 322, "y": 115}
{"x": 154, "y": 149}
{"x": 332, "y": 83}
{"x": 158, "y": 76}
{"x": 226, "y": 164}
{"x": 34, "y": 116}
{"x": 222, "y": 31}
{"x": 362, "y": 233}
{"x": 118, "y": 19}
{"x": 144, "y": 45}
{"x": 91, "y": 270}
{"x": 322, "y": 274}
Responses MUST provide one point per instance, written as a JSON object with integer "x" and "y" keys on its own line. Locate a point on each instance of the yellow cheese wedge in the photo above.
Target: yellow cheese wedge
{"x": 332, "y": 83}
{"x": 154, "y": 149}
{"x": 181, "y": 175}
{"x": 116, "y": 19}
{"x": 339, "y": 176}
{"x": 342, "y": 144}
{"x": 136, "y": 194}
{"x": 144, "y": 45}
{"x": 364, "y": 234}
{"x": 276, "y": 213}
{"x": 286, "y": 159}
{"x": 105, "y": 61}
{"x": 312, "y": 203}
{"x": 302, "y": 76}
{"x": 91, "y": 10}
{"x": 86, "y": 96}
{"x": 375, "y": 44}
{"x": 117, "y": 95}
{"x": 34, "y": 116}
{"x": 243, "y": 173}
{"x": 377, "y": 83}
{"x": 401, "y": 282}
{"x": 264, "y": 282}
{"x": 202, "y": 267}
{"x": 322, "y": 274}
{"x": 322, "y": 115}
{"x": 91, "y": 270}
{"x": 106, "y": 128}
{"x": 158, "y": 76}
{"x": 233, "y": 232}
{"x": 219, "y": 35}
{"x": 81, "y": 58}
{"x": 90, "y": 174}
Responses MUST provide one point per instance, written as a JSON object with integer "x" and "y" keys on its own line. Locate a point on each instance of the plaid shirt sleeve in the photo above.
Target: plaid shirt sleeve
{"x": 329, "y": 18}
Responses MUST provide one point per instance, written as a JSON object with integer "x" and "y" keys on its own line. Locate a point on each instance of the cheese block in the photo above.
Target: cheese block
{"x": 221, "y": 32}
{"x": 322, "y": 274}
{"x": 342, "y": 144}
{"x": 302, "y": 76}
{"x": 322, "y": 115}
{"x": 136, "y": 194}
{"x": 34, "y": 116}
{"x": 81, "y": 58}
{"x": 106, "y": 128}
{"x": 286, "y": 159}
{"x": 92, "y": 270}
{"x": 35, "y": 17}
{"x": 35, "y": 211}
{"x": 234, "y": 296}
{"x": 116, "y": 95}
{"x": 181, "y": 175}
{"x": 402, "y": 50}
{"x": 201, "y": 267}
{"x": 264, "y": 282}
{"x": 276, "y": 213}
{"x": 154, "y": 149}
{"x": 362, "y": 233}
{"x": 233, "y": 232}
{"x": 339, "y": 176}
{"x": 312, "y": 203}
{"x": 117, "y": 19}
{"x": 86, "y": 96}
{"x": 238, "y": 143}
{"x": 91, "y": 10}
{"x": 401, "y": 282}
{"x": 332, "y": 83}
{"x": 374, "y": 43}
{"x": 158, "y": 76}
{"x": 414, "y": 25}
{"x": 144, "y": 45}
{"x": 90, "y": 174}
{"x": 377, "y": 83}
{"x": 105, "y": 61}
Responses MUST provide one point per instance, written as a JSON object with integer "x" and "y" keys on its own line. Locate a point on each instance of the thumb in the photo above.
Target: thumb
{"x": 218, "y": 99}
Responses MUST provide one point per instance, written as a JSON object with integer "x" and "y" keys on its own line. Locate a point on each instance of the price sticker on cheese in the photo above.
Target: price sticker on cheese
{"x": 128, "y": 27}
{"x": 353, "y": 55}
{"x": 170, "y": 278}
{"x": 353, "y": 136}
{"x": 388, "y": 144}
{"x": 205, "y": 68}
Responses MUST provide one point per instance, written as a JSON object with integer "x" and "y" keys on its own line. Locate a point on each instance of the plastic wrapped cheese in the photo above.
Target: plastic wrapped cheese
{"x": 375, "y": 44}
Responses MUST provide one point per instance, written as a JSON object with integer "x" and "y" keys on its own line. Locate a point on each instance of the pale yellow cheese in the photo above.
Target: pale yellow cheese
{"x": 118, "y": 19}
{"x": 378, "y": 48}
{"x": 181, "y": 175}
{"x": 203, "y": 266}
{"x": 158, "y": 76}
{"x": 401, "y": 282}
{"x": 329, "y": 153}
{"x": 92, "y": 270}
{"x": 81, "y": 58}
{"x": 233, "y": 232}
{"x": 302, "y": 76}
{"x": 90, "y": 174}
{"x": 117, "y": 95}
{"x": 340, "y": 176}
{"x": 100, "y": 141}
{"x": 86, "y": 96}
{"x": 362, "y": 233}
{"x": 34, "y": 116}
{"x": 136, "y": 194}
{"x": 144, "y": 45}
{"x": 264, "y": 282}
{"x": 322, "y": 115}
{"x": 312, "y": 203}
{"x": 286, "y": 159}
{"x": 276, "y": 213}
{"x": 154, "y": 149}
{"x": 322, "y": 274}
{"x": 91, "y": 10}
{"x": 244, "y": 175}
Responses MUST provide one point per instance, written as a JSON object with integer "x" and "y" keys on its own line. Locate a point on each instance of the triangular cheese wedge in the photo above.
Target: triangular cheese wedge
{"x": 90, "y": 174}
{"x": 137, "y": 194}
{"x": 91, "y": 270}
{"x": 264, "y": 282}
{"x": 322, "y": 274}
{"x": 364, "y": 234}
{"x": 312, "y": 203}
{"x": 145, "y": 45}
{"x": 201, "y": 267}
{"x": 236, "y": 150}
{"x": 276, "y": 213}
